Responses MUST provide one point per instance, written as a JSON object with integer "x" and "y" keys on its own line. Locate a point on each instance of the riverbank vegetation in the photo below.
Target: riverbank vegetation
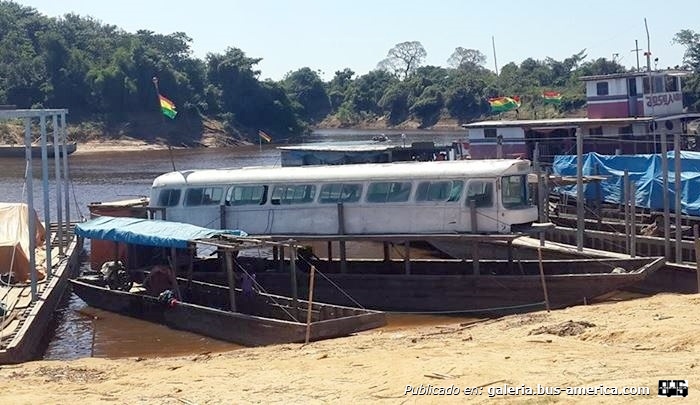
{"x": 105, "y": 77}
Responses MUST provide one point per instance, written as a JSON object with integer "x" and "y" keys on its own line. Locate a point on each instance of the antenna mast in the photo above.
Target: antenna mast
{"x": 495, "y": 61}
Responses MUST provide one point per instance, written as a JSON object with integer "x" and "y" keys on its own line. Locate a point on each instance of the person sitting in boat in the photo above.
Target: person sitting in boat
{"x": 158, "y": 280}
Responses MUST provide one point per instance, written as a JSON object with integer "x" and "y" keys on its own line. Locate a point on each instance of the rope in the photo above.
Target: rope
{"x": 334, "y": 284}
{"x": 255, "y": 282}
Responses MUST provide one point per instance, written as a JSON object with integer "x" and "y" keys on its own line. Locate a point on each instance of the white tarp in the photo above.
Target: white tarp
{"x": 14, "y": 240}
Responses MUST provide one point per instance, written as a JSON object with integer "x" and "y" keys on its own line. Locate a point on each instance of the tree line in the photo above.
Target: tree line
{"x": 99, "y": 71}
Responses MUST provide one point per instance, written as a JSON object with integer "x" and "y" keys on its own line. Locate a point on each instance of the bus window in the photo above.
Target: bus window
{"x": 168, "y": 198}
{"x": 293, "y": 194}
{"x": 389, "y": 192}
{"x": 481, "y": 192}
{"x": 203, "y": 196}
{"x": 337, "y": 193}
{"x": 439, "y": 191}
{"x": 514, "y": 191}
{"x": 246, "y": 195}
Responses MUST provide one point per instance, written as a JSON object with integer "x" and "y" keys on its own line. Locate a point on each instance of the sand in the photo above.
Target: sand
{"x": 627, "y": 343}
{"x": 125, "y": 145}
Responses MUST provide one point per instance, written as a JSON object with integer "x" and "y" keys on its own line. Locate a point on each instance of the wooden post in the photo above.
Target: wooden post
{"x": 540, "y": 189}
{"x": 472, "y": 216}
{"x": 581, "y": 224}
{"x": 222, "y": 216}
{"x": 173, "y": 272}
{"x": 475, "y": 259}
{"x": 407, "y": 257}
{"x": 310, "y": 304}
{"x": 696, "y": 239}
{"x": 387, "y": 254}
{"x": 293, "y": 275}
{"x": 510, "y": 256}
{"x": 281, "y": 256}
{"x": 633, "y": 219}
{"x": 330, "y": 251}
{"x": 544, "y": 282}
{"x": 625, "y": 201}
{"x": 231, "y": 279}
{"x": 275, "y": 253}
{"x": 341, "y": 231}
{"x": 664, "y": 194}
{"x": 190, "y": 266}
{"x": 677, "y": 190}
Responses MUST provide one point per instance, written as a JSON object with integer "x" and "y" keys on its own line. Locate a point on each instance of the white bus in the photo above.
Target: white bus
{"x": 391, "y": 198}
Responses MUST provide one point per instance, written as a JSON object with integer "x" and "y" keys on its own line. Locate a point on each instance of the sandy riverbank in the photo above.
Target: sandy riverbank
{"x": 125, "y": 145}
{"x": 616, "y": 344}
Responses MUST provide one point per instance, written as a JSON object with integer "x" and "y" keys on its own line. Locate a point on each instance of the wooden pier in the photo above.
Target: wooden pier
{"x": 26, "y": 321}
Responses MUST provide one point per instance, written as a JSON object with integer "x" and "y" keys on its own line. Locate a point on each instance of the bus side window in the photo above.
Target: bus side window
{"x": 481, "y": 192}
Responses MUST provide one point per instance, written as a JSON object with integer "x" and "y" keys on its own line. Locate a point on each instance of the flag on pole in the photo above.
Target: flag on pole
{"x": 551, "y": 97}
{"x": 167, "y": 107}
{"x": 503, "y": 104}
{"x": 264, "y": 136}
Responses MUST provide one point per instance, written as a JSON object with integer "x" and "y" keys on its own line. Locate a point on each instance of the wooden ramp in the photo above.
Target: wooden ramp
{"x": 25, "y": 322}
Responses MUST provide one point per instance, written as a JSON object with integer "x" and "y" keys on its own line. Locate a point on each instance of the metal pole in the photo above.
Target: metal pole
{"x": 579, "y": 191}
{"x": 45, "y": 189}
{"x": 678, "y": 173}
{"x": 542, "y": 278}
{"x": 66, "y": 173}
{"x": 29, "y": 177}
{"x": 666, "y": 202}
{"x": 57, "y": 182}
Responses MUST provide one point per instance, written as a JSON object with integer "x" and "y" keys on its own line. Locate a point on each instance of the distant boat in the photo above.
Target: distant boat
{"x": 18, "y": 150}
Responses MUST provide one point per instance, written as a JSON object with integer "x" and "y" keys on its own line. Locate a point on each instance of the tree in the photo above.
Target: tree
{"x": 305, "y": 87}
{"x": 691, "y": 40}
{"x": 466, "y": 58}
{"x": 403, "y": 59}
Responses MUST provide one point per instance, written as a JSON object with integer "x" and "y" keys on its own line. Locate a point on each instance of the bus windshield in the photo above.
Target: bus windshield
{"x": 514, "y": 191}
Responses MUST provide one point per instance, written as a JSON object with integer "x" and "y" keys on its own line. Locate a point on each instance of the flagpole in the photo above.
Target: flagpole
{"x": 162, "y": 122}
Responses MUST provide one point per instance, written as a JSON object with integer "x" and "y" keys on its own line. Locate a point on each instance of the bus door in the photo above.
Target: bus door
{"x": 482, "y": 192}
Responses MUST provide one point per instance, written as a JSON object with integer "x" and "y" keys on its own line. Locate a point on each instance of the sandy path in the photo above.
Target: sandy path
{"x": 633, "y": 343}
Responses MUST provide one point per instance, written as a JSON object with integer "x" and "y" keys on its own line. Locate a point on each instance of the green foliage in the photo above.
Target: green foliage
{"x": 99, "y": 70}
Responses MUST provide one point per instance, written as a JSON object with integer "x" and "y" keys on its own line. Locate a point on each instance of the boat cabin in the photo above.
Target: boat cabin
{"x": 626, "y": 113}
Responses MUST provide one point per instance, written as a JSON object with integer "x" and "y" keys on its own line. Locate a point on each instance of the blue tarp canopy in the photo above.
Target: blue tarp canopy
{"x": 644, "y": 171}
{"x": 148, "y": 232}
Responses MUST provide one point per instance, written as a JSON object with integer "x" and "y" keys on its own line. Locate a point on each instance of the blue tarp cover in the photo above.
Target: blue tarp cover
{"x": 148, "y": 232}
{"x": 644, "y": 171}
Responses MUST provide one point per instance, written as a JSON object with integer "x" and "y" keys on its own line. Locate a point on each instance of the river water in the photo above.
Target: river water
{"x": 82, "y": 331}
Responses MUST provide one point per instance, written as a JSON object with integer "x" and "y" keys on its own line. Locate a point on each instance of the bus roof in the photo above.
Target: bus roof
{"x": 345, "y": 173}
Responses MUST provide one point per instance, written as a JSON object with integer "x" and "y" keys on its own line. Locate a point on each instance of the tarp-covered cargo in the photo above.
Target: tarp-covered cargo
{"x": 644, "y": 171}
{"x": 147, "y": 232}
{"x": 14, "y": 241}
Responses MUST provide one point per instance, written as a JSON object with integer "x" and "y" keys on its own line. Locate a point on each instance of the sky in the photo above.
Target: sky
{"x": 331, "y": 35}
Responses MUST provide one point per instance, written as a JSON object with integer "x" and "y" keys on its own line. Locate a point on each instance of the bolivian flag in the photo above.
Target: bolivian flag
{"x": 167, "y": 107}
{"x": 503, "y": 104}
{"x": 551, "y": 97}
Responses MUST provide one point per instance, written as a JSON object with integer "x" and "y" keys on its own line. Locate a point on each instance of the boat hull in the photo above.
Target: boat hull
{"x": 451, "y": 286}
{"x": 219, "y": 323}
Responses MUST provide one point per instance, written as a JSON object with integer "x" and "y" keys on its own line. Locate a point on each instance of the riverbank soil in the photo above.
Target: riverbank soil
{"x": 615, "y": 344}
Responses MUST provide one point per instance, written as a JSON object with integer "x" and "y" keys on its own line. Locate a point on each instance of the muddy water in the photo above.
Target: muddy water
{"x": 82, "y": 331}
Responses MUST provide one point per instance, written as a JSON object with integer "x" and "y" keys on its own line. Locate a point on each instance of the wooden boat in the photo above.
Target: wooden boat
{"x": 260, "y": 319}
{"x": 252, "y": 318}
{"x": 19, "y": 151}
{"x": 450, "y": 286}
